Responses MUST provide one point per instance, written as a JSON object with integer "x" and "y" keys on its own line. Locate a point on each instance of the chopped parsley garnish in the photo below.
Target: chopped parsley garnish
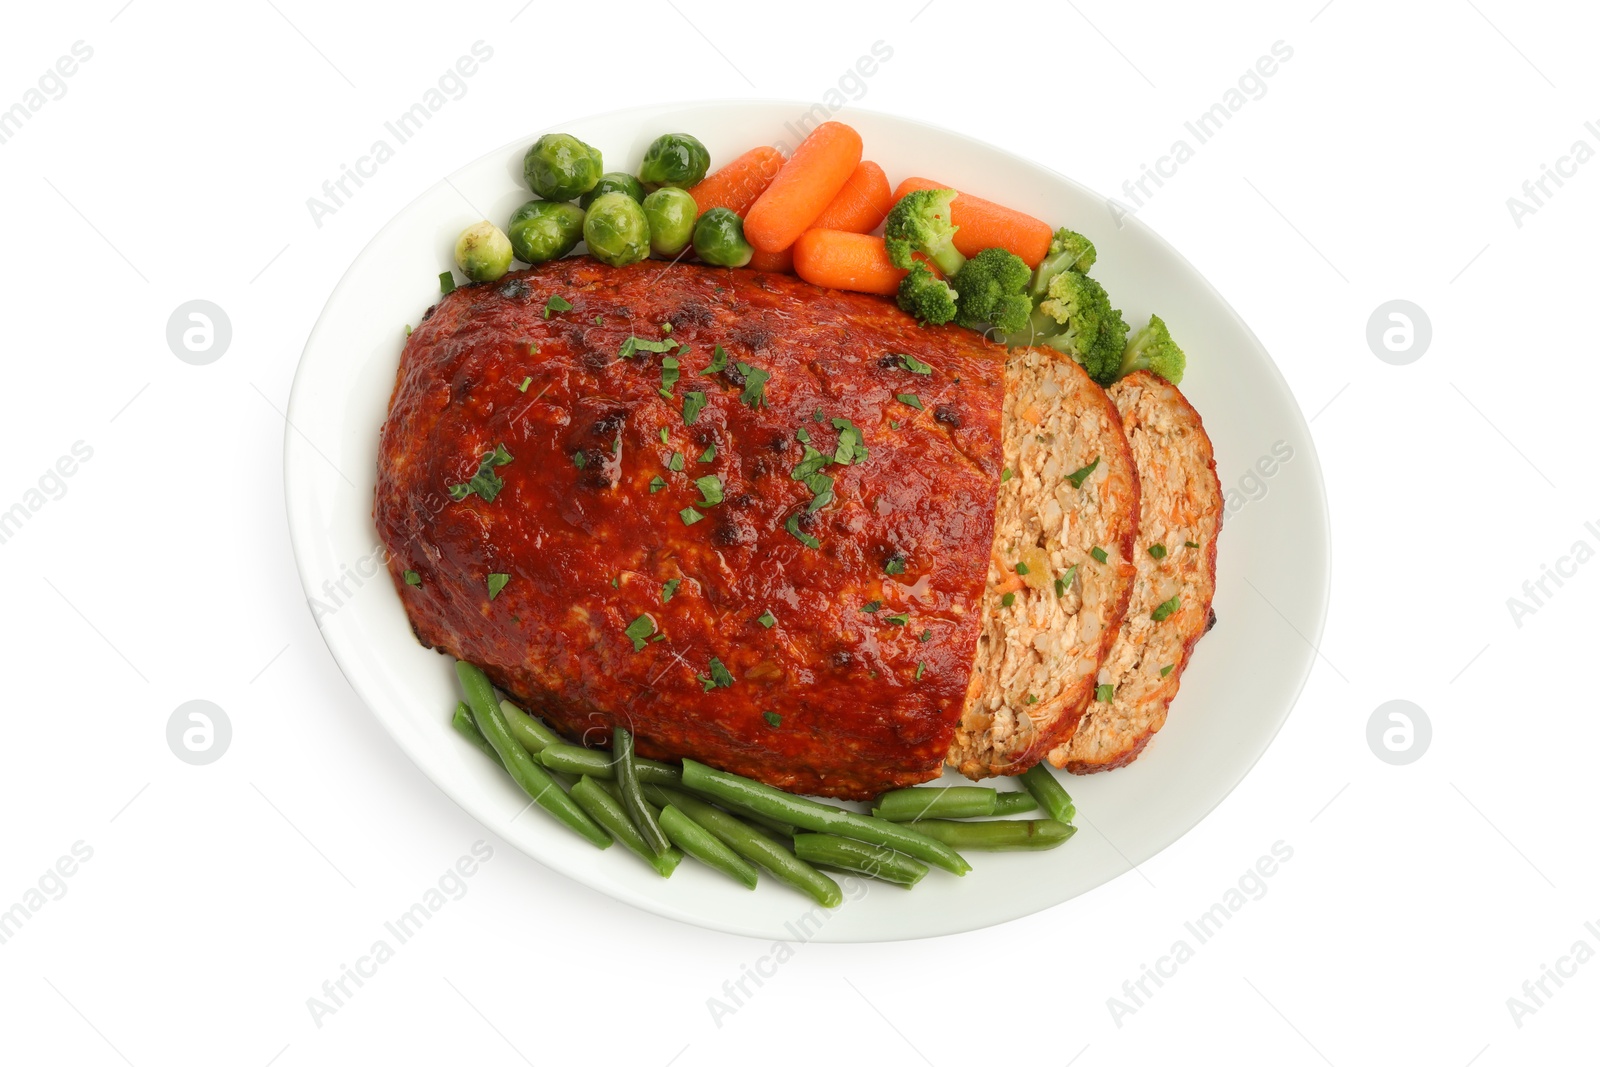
{"x": 1008, "y": 600}
{"x": 599, "y": 320}
{"x": 852, "y": 447}
{"x": 659, "y": 637}
{"x": 755, "y": 385}
{"x": 1077, "y": 477}
{"x": 914, "y": 365}
{"x": 925, "y": 636}
{"x": 657, "y": 484}
{"x": 767, "y": 619}
{"x": 693, "y": 404}
{"x": 719, "y": 361}
{"x": 821, "y": 487}
{"x": 486, "y": 483}
{"x": 675, "y": 462}
{"x": 1032, "y": 698}
{"x": 1167, "y": 669}
{"x": 810, "y": 463}
{"x": 690, "y": 516}
{"x": 921, "y": 666}
{"x": 897, "y": 620}
{"x": 910, "y": 400}
{"x": 896, "y": 565}
{"x": 894, "y": 424}
{"x": 1022, "y": 568}
{"x": 497, "y": 582}
{"x": 634, "y": 345}
{"x": 1064, "y": 582}
{"x": 663, "y": 435}
{"x": 803, "y": 435}
{"x": 639, "y": 630}
{"x": 666, "y": 327}
{"x": 1191, "y": 544}
{"x": 1164, "y": 609}
{"x": 413, "y": 578}
{"x": 872, "y": 606}
{"x": 408, "y": 329}
{"x": 578, "y": 460}
{"x": 1104, "y": 693}
{"x": 555, "y": 303}
{"x": 669, "y": 376}
{"x": 1098, "y": 553}
{"x": 773, "y": 718}
{"x": 668, "y": 589}
{"x": 709, "y": 454}
{"x": 447, "y": 283}
{"x": 523, "y": 388}
{"x": 793, "y": 526}
{"x": 720, "y": 678}
{"x": 710, "y": 489}
{"x": 1005, "y": 476}
{"x": 817, "y": 416}
{"x": 1158, "y": 551}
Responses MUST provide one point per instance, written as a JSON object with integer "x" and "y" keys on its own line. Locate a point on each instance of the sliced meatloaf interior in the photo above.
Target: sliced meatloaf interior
{"x": 1180, "y": 514}
{"x": 1061, "y": 572}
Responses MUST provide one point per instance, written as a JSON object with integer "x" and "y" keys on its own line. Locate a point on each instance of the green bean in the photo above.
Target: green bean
{"x": 530, "y": 733}
{"x": 627, "y": 778}
{"x": 607, "y": 811}
{"x": 462, "y": 721}
{"x": 874, "y": 861}
{"x": 1014, "y": 803}
{"x": 700, "y": 843}
{"x": 776, "y": 804}
{"x": 753, "y": 845}
{"x": 999, "y": 835}
{"x": 935, "y": 802}
{"x": 1047, "y": 790}
{"x": 534, "y": 779}
{"x": 575, "y": 759}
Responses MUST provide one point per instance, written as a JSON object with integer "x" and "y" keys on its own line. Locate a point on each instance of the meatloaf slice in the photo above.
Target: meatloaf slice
{"x": 1180, "y": 514}
{"x": 1052, "y": 605}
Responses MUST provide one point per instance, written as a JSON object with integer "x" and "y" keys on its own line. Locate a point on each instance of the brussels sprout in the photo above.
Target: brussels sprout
{"x": 674, "y": 159}
{"x": 613, "y": 181}
{"x": 543, "y": 230}
{"x": 671, "y": 214}
{"x": 719, "y": 239}
{"x": 560, "y": 167}
{"x": 482, "y": 252}
{"x": 616, "y": 230}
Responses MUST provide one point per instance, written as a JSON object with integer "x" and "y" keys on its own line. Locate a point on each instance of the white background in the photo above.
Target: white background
{"x": 1376, "y": 165}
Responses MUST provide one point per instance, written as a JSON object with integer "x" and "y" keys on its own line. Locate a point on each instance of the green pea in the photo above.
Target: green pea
{"x": 613, "y": 181}
{"x": 719, "y": 239}
{"x": 671, "y": 213}
{"x": 482, "y": 252}
{"x": 559, "y": 166}
{"x": 674, "y": 159}
{"x": 542, "y": 230}
{"x": 616, "y": 231}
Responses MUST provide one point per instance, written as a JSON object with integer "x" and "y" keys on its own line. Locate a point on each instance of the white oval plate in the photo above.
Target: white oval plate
{"x": 1244, "y": 678}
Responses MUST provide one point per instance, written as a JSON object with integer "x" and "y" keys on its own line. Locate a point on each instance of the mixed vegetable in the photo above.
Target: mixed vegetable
{"x": 828, "y": 215}
{"x": 742, "y": 828}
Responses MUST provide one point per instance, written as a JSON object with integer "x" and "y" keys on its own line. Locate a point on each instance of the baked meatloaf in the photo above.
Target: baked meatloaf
{"x": 1180, "y": 515}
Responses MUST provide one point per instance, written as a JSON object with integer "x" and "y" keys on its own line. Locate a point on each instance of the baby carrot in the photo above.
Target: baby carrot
{"x": 861, "y": 204}
{"x": 806, "y": 184}
{"x": 843, "y": 260}
{"x": 774, "y": 262}
{"x": 984, "y": 224}
{"x": 737, "y": 185}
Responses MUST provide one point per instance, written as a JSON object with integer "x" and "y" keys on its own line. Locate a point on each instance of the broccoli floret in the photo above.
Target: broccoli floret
{"x": 925, "y": 295}
{"x": 1092, "y": 330}
{"x": 1069, "y": 250}
{"x": 992, "y": 289}
{"x": 1152, "y": 349}
{"x": 920, "y": 222}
